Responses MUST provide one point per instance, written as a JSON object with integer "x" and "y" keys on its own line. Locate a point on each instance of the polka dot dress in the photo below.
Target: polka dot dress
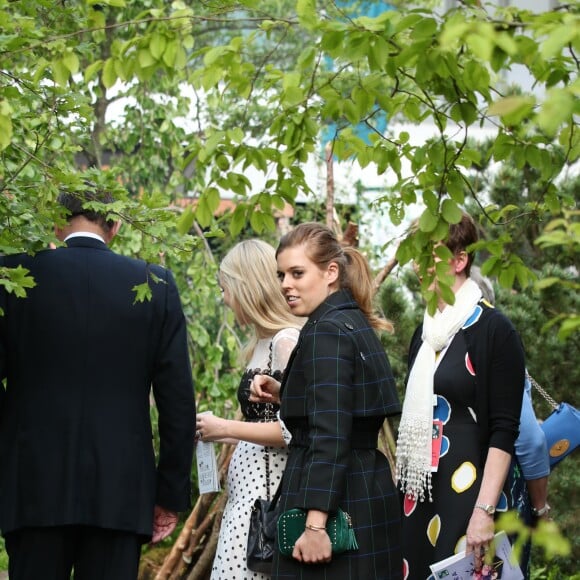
{"x": 246, "y": 479}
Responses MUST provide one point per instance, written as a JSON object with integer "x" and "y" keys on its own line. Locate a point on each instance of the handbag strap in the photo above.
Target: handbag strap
{"x": 275, "y": 497}
{"x": 542, "y": 391}
{"x": 268, "y": 371}
{"x": 267, "y": 461}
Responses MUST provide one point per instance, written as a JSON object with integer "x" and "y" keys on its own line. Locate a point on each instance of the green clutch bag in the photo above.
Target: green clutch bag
{"x": 291, "y": 525}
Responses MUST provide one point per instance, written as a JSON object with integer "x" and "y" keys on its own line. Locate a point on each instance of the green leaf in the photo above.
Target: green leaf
{"x": 378, "y": 54}
{"x": 306, "y": 11}
{"x": 506, "y": 43}
{"x": 431, "y": 201}
{"x": 424, "y": 28}
{"x": 428, "y": 221}
{"x": 306, "y": 57}
{"x": 238, "y": 221}
{"x": 469, "y": 112}
{"x": 185, "y": 221}
{"x": 71, "y": 62}
{"x": 502, "y": 147}
{"x": 534, "y": 156}
{"x": 212, "y": 197}
{"x": 60, "y": 72}
{"x": 170, "y": 53}
{"x": 510, "y": 105}
{"x": 222, "y": 162}
{"x": 556, "y": 109}
{"x": 405, "y": 251}
{"x": 544, "y": 283}
{"x": 109, "y": 75}
{"x": 92, "y": 70}
{"x": 482, "y": 46}
{"x": 409, "y": 21}
{"x": 122, "y": 66}
{"x": 211, "y": 77}
{"x": 476, "y": 76}
{"x": 291, "y": 79}
{"x": 142, "y": 292}
{"x": 16, "y": 280}
{"x": 188, "y": 42}
{"x": 559, "y": 37}
{"x": 446, "y": 292}
{"x": 257, "y": 222}
{"x": 351, "y": 112}
{"x": 5, "y": 131}
{"x": 292, "y": 96}
{"x": 507, "y": 276}
{"x": 567, "y": 328}
{"x": 489, "y": 265}
{"x": 157, "y": 45}
{"x": 181, "y": 58}
{"x": 214, "y": 54}
{"x": 203, "y": 213}
{"x": 547, "y": 535}
{"x": 451, "y": 211}
{"x": 146, "y": 59}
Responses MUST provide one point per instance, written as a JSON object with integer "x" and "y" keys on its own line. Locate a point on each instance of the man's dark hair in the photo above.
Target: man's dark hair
{"x": 74, "y": 203}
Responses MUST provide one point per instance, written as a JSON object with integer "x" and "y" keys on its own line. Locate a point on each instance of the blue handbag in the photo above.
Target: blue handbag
{"x": 561, "y": 428}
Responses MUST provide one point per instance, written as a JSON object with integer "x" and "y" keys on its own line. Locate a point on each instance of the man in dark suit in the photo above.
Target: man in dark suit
{"x": 79, "y": 485}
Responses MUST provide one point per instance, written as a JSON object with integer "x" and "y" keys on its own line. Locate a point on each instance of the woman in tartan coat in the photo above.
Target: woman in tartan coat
{"x": 337, "y": 391}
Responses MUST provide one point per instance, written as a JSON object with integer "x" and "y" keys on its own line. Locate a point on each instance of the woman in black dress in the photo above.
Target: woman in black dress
{"x": 465, "y": 386}
{"x": 337, "y": 391}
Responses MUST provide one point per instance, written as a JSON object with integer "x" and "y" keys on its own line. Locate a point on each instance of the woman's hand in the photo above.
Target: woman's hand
{"x": 264, "y": 389}
{"x": 479, "y": 536}
{"x": 211, "y": 428}
{"x": 313, "y": 547}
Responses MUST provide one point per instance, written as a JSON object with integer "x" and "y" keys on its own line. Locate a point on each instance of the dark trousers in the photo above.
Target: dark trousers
{"x": 89, "y": 553}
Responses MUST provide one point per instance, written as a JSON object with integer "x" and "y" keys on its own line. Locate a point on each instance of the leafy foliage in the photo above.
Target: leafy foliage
{"x": 168, "y": 94}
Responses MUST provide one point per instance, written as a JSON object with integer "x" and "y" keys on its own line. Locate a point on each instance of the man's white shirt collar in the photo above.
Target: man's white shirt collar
{"x": 84, "y": 235}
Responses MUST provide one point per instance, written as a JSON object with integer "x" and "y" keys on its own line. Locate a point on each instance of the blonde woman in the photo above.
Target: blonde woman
{"x": 251, "y": 289}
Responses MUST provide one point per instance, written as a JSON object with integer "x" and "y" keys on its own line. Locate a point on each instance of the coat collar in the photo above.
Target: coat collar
{"x": 86, "y": 242}
{"x": 339, "y": 300}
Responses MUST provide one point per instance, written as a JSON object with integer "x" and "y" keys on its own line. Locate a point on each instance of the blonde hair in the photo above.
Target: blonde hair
{"x": 248, "y": 272}
{"x": 323, "y": 247}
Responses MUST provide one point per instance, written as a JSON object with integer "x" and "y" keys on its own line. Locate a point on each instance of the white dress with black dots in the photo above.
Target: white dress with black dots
{"x": 246, "y": 479}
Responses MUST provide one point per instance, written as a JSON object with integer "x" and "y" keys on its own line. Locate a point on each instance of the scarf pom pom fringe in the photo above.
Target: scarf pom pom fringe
{"x": 414, "y": 470}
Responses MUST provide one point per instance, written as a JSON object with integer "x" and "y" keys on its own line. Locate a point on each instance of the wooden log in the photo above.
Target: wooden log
{"x": 202, "y": 566}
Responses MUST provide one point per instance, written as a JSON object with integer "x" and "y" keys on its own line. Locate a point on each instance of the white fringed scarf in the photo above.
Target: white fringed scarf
{"x": 415, "y": 429}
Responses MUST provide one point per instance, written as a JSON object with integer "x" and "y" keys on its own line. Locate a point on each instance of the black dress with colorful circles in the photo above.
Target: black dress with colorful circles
{"x": 435, "y": 530}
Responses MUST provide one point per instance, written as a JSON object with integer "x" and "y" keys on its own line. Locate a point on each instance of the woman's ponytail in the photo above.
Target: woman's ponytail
{"x": 359, "y": 280}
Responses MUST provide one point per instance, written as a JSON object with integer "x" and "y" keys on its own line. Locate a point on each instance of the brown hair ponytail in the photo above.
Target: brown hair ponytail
{"x": 360, "y": 282}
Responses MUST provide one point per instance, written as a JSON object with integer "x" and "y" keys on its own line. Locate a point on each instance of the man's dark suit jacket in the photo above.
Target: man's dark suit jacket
{"x": 79, "y": 358}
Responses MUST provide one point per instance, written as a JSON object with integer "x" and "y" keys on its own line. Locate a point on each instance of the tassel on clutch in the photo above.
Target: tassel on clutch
{"x": 291, "y": 525}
